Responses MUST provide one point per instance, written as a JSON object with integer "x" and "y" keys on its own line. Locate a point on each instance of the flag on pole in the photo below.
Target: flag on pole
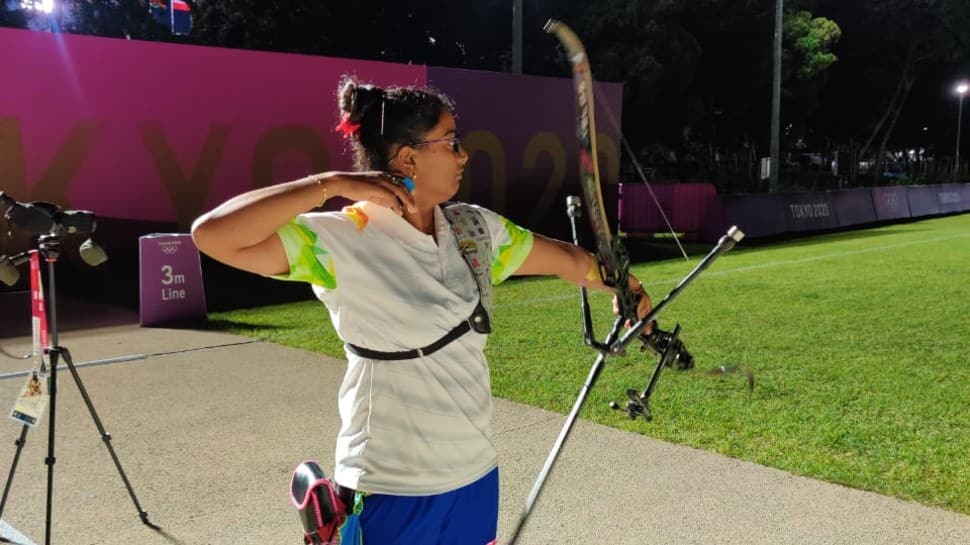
{"x": 181, "y": 17}
{"x": 175, "y": 14}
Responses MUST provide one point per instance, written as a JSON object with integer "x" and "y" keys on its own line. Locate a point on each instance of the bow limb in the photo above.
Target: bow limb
{"x": 586, "y": 131}
{"x": 613, "y": 258}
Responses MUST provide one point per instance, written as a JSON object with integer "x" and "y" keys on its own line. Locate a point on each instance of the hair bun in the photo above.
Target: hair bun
{"x": 355, "y": 99}
{"x": 346, "y": 95}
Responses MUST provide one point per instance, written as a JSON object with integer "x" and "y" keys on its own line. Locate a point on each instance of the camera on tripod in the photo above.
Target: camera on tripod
{"x": 48, "y": 222}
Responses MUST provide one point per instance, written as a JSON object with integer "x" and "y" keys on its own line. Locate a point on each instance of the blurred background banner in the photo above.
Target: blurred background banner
{"x": 149, "y": 135}
{"x": 162, "y": 132}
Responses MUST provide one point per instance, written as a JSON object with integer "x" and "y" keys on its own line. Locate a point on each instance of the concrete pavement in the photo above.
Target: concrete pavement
{"x": 208, "y": 427}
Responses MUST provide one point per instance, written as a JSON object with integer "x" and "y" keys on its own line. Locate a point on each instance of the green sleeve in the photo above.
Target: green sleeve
{"x": 309, "y": 260}
{"x": 511, "y": 244}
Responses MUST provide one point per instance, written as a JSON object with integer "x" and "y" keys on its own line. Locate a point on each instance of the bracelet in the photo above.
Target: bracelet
{"x": 323, "y": 188}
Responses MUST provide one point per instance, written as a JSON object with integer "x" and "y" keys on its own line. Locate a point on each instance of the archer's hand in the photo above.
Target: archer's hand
{"x": 644, "y": 305}
{"x": 373, "y": 186}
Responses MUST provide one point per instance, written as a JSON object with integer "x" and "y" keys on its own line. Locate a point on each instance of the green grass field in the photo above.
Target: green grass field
{"x": 857, "y": 340}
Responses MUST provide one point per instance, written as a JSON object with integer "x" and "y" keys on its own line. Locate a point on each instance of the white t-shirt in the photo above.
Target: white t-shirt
{"x": 408, "y": 427}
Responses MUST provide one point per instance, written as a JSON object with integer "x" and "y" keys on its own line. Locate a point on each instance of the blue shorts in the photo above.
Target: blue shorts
{"x": 466, "y": 516}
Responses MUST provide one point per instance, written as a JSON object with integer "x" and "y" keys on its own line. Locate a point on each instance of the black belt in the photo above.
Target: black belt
{"x": 479, "y": 321}
{"x": 458, "y": 331}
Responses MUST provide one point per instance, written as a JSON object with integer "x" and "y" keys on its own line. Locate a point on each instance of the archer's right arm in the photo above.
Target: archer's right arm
{"x": 241, "y": 232}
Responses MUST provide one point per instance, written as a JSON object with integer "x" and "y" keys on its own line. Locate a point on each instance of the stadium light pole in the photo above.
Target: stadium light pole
{"x": 961, "y": 90}
{"x": 774, "y": 163}
{"x": 517, "y": 36}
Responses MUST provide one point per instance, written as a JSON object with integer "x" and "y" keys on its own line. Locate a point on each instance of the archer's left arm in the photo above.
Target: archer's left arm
{"x": 574, "y": 265}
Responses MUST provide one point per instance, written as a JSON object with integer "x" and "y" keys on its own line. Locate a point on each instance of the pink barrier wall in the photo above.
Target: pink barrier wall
{"x": 854, "y": 206}
{"x": 153, "y": 131}
{"x": 696, "y": 210}
{"x": 160, "y": 132}
{"x": 951, "y": 198}
{"x": 690, "y": 208}
{"x": 810, "y": 211}
{"x": 923, "y": 200}
{"x": 890, "y": 202}
{"x": 759, "y": 215}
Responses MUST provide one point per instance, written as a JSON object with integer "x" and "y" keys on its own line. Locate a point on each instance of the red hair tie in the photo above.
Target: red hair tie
{"x": 347, "y": 128}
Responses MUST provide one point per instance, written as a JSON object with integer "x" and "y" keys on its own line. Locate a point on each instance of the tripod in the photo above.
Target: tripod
{"x": 50, "y": 250}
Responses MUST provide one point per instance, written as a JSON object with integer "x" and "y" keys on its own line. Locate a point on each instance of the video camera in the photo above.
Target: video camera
{"x": 47, "y": 221}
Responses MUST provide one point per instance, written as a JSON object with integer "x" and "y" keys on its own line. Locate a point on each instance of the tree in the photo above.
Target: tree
{"x": 712, "y": 76}
{"x": 810, "y": 40}
{"x": 889, "y": 46}
{"x": 806, "y": 58}
{"x": 640, "y": 45}
{"x": 454, "y": 34}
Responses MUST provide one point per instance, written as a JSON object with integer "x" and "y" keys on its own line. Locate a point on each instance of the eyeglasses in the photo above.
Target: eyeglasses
{"x": 455, "y": 143}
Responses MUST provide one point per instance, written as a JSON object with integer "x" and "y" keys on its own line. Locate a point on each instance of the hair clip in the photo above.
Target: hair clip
{"x": 347, "y": 128}
{"x": 382, "y": 116}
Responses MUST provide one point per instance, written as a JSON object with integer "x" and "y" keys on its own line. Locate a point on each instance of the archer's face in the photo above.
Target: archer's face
{"x": 439, "y": 161}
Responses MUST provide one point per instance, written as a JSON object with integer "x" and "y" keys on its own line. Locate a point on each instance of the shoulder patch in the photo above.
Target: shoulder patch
{"x": 357, "y": 215}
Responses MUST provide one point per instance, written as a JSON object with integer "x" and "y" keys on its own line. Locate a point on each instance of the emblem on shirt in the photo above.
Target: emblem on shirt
{"x": 357, "y": 215}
